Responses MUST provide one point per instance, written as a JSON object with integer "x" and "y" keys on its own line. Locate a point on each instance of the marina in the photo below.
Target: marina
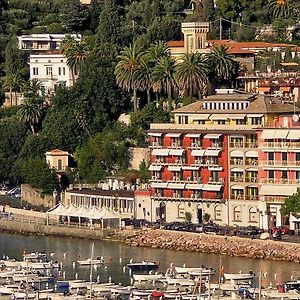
{"x": 179, "y": 275}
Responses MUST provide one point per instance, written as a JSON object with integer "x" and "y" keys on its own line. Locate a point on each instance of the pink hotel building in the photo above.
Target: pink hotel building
{"x": 234, "y": 156}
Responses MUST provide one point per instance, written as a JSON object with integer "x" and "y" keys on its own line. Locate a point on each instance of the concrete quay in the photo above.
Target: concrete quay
{"x": 205, "y": 243}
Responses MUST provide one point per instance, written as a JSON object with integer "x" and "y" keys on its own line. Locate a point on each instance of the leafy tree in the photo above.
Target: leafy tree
{"x": 291, "y": 205}
{"x": 127, "y": 68}
{"x": 209, "y": 10}
{"x": 288, "y": 55}
{"x": 191, "y": 73}
{"x": 38, "y": 174}
{"x": 31, "y": 114}
{"x": 75, "y": 17}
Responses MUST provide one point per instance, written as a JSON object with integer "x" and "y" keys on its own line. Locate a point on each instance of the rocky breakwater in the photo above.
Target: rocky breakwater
{"x": 233, "y": 246}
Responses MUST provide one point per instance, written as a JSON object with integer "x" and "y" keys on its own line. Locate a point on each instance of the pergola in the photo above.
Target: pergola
{"x": 92, "y": 214}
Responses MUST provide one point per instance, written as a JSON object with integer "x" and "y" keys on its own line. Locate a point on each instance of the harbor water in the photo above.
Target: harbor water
{"x": 117, "y": 256}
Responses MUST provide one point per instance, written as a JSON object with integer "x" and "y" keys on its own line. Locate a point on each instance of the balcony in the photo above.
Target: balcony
{"x": 251, "y": 162}
{"x": 237, "y": 145}
{"x": 279, "y": 181}
{"x": 237, "y": 179}
{"x": 175, "y": 145}
{"x": 217, "y": 146}
{"x": 196, "y": 146}
{"x": 251, "y": 179}
{"x": 274, "y": 199}
{"x": 237, "y": 162}
{"x": 281, "y": 145}
{"x": 253, "y": 144}
{"x": 159, "y": 162}
{"x": 237, "y": 197}
{"x": 194, "y": 197}
{"x": 156, "y": 145}
{"x": 251, "y": 197}
{"x": 280, "y": 163}
{"x": 155, "y": 179}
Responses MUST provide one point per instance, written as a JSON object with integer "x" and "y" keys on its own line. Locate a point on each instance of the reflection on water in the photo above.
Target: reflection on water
{"x": 68, "y": 250}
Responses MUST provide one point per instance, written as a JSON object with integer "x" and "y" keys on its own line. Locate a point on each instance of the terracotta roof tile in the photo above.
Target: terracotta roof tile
{"x": 175, "y": 44}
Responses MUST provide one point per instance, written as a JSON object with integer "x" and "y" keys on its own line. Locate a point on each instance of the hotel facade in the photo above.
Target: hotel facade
{"x": 233, "y": 156}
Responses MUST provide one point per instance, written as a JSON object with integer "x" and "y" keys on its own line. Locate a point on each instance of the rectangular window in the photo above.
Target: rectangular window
{"x": 221, "y": 122}
{"x": 284, "y": 175}
{"x": 35, "y": 71}
{"x": 64, "y": 71}
{"x": 59, "y": 164}
{"x": 59, "y": 71}
{"x": 271, "y": 174}
{"x": 284, "y": 156}
{"x": 49, "y": 71}
{"x": 271, "y": 156}
{"x": 298, "y": 175}
{"x": 298, "y": 156}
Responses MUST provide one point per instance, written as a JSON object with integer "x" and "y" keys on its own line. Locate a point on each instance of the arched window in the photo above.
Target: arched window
{"x": 237, "y": 213}
{"x": 181, "y": 211}
{"x": 218, "y": 213}
{"x": 253, "y": 215}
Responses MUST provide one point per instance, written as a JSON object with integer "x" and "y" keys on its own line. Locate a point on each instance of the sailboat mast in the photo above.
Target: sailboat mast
{"x": 91, "y": 272}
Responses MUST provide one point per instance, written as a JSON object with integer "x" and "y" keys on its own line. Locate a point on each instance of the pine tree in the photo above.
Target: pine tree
{"x": 288, "y": 55}
{"x": 208, "y": 10}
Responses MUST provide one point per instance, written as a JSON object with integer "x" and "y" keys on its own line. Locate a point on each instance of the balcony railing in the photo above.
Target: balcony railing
{"x": 279, "y": 181}
{"x": 194, "y": 197}
{"x": 280, "y": 163}
{"x": 237, "y": 179}
{"x": 237, "y": 197}
{"x": 277, "y": 199}
{"x": 284, "y": 145}
{"x": 251, "y": 197}
{"x": 251, "y": 144}
{"x": 175, "y": 145}
{"x": 251, "y": 162}
{"x": 216, "y": 146}
{"x": 237, "y": 162}
{"x": 251, "y": 179}
{"x": 159, "y": 162}
{"x": 196, "y": 146}
{"x": 156, "y": 145}
{"x": 243, "y": 144}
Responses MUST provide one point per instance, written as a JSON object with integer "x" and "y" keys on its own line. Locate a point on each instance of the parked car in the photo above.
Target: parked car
{"x": 248, "y": 230}
{"x": 211, "y": 227}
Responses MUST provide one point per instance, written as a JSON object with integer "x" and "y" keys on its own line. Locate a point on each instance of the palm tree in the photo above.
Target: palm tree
{"x": 221, "y": 63}
{"x": 30, "y": 114}
{"x": 33, "y": 91}
{"x": 164, "y": 76}
{"x": 192, "y": 72}
{"x": 157, "y": 51}
{"x": 76, "y": 53}
{"x": 280, "y": 8}
{"x": 126, "y": 70}
{"x": 143, "y": 76}
{"x": 14, "y": 84}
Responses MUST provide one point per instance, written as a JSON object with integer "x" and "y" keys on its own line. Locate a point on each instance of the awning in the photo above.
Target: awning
{"x": 195, "y": 186}
{"x": 255, "y": 116}
{"x": 218, "y": 117}
{"x": 285, "y": 89}
{"x": 236, "y": 153}
{"x": 236, "y": 170}
{"x": 212, "y": 187}
{"x": 193, "y": 135}
{"x": 173, "y": 134}
{"x": 159, "y": 185}
{"x": 264, "y": 89}
{"x": 281, "y": 134}
{"x": 237, "y": 187}
{"x": 267, "y": 134}
{"x": 252, "y": 169}
{"x": 212, "y": 136}
{"x": 154, "y": 133}
{"x": 174, "y": 168}
{"x": 197, "y": 152}
{"x": 176, "y": 186}
{"x": 211, "y": 152}
{"x": 201, "y": 117}
{"x": 176, "y": 152}
{"x": 160, "y": 152}
{"x": 237, "y": 117}
{"x": 293, "y": 135}
{"x": 251, "y": 154}
{"x": 278, "y": 190}
{"x": 190, "y": 168}
{"x": 155, "y": 168}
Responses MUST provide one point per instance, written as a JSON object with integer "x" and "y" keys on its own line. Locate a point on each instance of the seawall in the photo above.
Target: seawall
{"x": 35, "y": 228}
{"x": 224, "y": 245}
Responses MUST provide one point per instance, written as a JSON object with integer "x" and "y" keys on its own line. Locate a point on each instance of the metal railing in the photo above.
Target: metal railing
{"x": 284, "y": 145}
{"x": 279, "y": 163}
{"x": 279, "y": 181}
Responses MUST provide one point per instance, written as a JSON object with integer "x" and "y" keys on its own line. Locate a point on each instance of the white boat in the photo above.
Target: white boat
{"x": 12, "y": 263}
{"x": 195, "y": 271}
{"x": 89, "y": 262}
{"x": 79, "y": 284}
{"x": 147, "y": 277}
{"x": 143, "y": 266}
{"x": 35, "y": 257}
{"x": 239, "y": 276}
{"x": 180, "y": 281}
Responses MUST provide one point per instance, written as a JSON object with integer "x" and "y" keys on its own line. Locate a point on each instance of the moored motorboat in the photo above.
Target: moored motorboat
{"x": 239, "y": 276}
{"x": 143, "y": 266}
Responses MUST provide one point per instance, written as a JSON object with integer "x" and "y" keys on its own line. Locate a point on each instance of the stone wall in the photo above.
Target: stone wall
{"x": 225, "y": 245}
{"x": 33, "y": 196}
{"x": 137, "y": 156}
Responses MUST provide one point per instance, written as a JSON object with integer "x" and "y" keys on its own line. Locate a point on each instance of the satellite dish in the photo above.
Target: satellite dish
{"x": 295, "y": 118}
